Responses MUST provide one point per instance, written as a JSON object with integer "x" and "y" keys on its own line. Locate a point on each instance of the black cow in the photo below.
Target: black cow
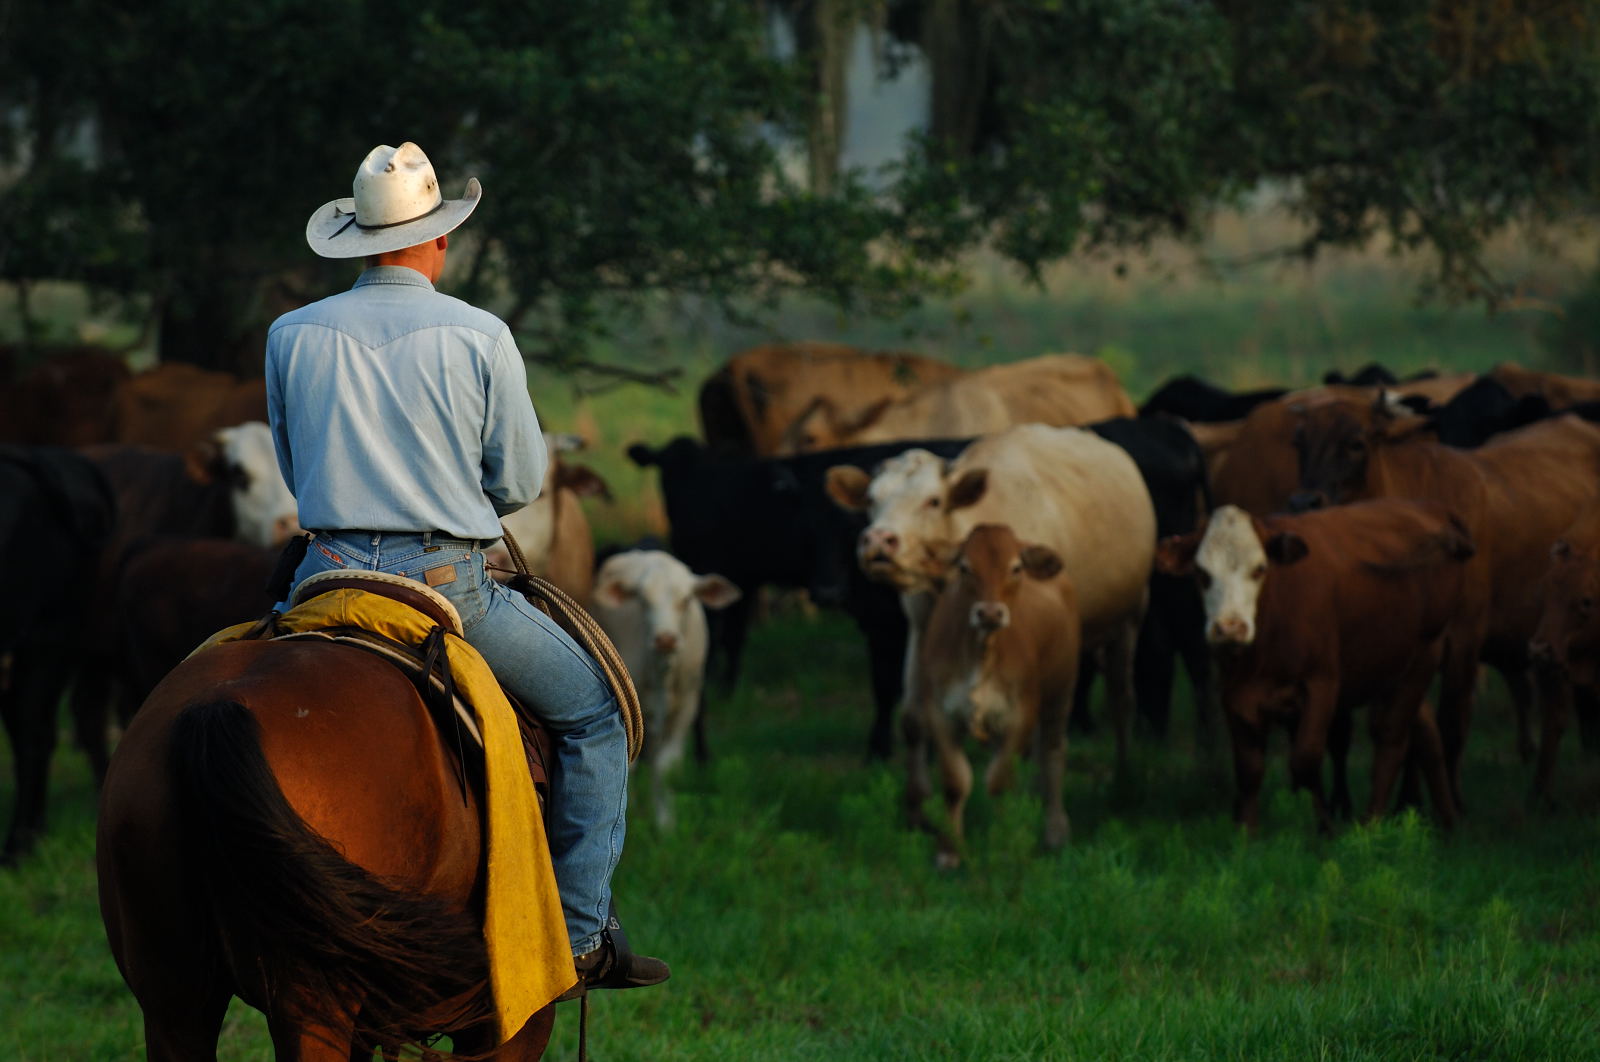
{"x": 769, "y": 521}
{"x": 1193, "y": 399}
{"x": 56, "y": 511}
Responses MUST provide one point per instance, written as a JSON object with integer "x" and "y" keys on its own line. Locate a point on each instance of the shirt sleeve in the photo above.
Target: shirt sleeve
{"x": 275, "y": 412}
{"x": 514, "y": 455}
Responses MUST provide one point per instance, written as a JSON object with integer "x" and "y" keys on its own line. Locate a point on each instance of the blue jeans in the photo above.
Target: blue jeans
{"x": 553, "y": 677}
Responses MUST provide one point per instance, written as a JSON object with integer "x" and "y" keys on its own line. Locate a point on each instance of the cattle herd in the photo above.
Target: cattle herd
{"x": 1000, "y": 536}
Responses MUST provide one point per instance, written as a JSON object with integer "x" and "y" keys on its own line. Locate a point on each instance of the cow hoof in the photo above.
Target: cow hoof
{"x": 947, "y": 861}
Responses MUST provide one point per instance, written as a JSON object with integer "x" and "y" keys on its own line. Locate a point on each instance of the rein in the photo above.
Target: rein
{"x": 576, "y": 621}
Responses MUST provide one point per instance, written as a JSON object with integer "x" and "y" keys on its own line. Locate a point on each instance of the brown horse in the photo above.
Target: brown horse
{"x": 282, "y": 823}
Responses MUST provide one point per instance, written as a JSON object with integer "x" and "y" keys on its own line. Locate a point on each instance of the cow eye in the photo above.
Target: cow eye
{"x": 931, "y": 503}
{"x": 1016, "y": 567}
{"x": 1259, "y": 572}
{"x": 1585, "y": 605}
{"x": 1356, "y": 446}
{"x": 1204, "y": 577}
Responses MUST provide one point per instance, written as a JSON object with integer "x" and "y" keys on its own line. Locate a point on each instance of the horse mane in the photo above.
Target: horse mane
{"x": 319, "y": 933}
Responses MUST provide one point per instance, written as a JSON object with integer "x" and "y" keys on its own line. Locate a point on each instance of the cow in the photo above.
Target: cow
{"x": 173, "y": 406}
{"x": 1316, "y": 614}
{"x": 746, "y": 406}
{"x": 1196, "y": 401}
{"x": 552, "y": 530}
{"x": 1055, "y": 389}
{"x": 1064, "y": 488}
{"x": 226, "y": 486}
{"x": 771, "y": 522}
{"x": 1516, "y": 494}
{"x": 1428, "y": 387}
{"x": 56, "y": 511}
{"x": 1484, "y": 409}
{"x": 66, "y": 399}
{"x": 653, "y": 608}
{"x": 999, "y": 662}
{"x": 1568, "y": 635}
{"x": 175, "y": 591}
{"x": 1562, "y": 392}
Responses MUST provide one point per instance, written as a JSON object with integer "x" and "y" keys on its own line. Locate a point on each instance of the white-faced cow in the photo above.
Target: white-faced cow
{"x": 1063, "y": 488}
{"x": 653, "y": 608}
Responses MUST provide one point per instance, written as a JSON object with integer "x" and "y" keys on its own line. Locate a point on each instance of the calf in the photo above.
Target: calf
{"x": 1317, "y": 614}
{"x": 650, "y": 604}
{"x": 1567, "y": 640}
{"x": 552, "y": 530}
{"x": 999, "y": 661}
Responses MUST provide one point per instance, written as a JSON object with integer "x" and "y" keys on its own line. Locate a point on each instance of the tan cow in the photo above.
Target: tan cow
{"x": 999, "y": 663}
{"x": 1562, "y": 392}
{"x": 1063, "y": 488}
{"x": 747, "y": 404}
{"x": 552, "y": 530}
{"x": 653, "y": 608}
{"x": 173, "y": 406}
{"x": 1060, "y": 390}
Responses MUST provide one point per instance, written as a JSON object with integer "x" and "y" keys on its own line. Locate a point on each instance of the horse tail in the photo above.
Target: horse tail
{"x": 318, "y": 932}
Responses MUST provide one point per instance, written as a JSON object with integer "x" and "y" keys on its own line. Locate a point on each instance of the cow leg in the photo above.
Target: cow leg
{"x": 1090, "y": 664}
{"x": 1119, "y": 688}
{"x": 1310, "y": 745}
{"x": 185, "y": 1028}
{"x": 93, "y": 690}
{"x": 1249, "y": 767}
{"x": 1586, "y": 707}
{"x": 1391, "y": 726}
{"x": 1456, "y": 691}
{"x": 1522, "y": 699}
{"x": 1053, "y": 715}
{"x": 914, "y": 728}
{"x": 668, "y": 750}
{"x": 38, "y": 675}
{"x": 956, "y": 773}
{"x": 1555, "y": 697}
{"x": 1153, "y": 671}
{"x": 886, "y": 654}
{"x": 1427, "y": 749}
{"x": 1340, "y": 732}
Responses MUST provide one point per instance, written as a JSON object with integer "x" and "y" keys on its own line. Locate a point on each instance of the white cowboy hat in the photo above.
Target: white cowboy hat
{"x": 397, "y": 203}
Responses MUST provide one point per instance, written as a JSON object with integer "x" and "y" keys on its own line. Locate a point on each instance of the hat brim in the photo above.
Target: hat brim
{"x": 332, "y": 231}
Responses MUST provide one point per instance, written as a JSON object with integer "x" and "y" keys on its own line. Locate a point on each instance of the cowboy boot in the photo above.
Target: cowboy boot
{"x": 614, "y": 964}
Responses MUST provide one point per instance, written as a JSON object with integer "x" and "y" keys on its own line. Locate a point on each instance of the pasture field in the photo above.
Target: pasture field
{"x": 802, "y": 922}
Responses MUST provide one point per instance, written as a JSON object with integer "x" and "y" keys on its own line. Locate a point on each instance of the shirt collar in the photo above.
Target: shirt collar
{"x": 393, "y": 275}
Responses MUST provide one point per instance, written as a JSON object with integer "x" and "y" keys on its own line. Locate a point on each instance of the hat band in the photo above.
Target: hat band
{"x": 391, "y": 224}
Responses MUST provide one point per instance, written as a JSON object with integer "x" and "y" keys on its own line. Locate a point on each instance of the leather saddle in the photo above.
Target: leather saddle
{"x": 426, "y": 665}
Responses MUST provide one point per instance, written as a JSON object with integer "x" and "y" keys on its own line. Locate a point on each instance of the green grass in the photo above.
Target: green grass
{"x": 803, "y": 922}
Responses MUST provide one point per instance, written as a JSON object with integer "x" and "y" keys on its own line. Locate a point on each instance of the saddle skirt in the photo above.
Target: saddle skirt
{"x": 530, "y": 959}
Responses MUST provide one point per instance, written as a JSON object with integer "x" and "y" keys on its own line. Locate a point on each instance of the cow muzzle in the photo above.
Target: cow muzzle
{"x": 665, "y": 642}
{"x": 990, "y": 616}
{"x": 1230, "y": 630}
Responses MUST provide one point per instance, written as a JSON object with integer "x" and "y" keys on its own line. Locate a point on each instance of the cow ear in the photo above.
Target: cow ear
{"x": 203, "y": 462}
{"x": 1041, "y": 562}
{"x": 968, "y": 490}
{"x": 1175, "y": 553}
{"x": 611, "y": 592}
{"x": 865, "y": 417}
{"x": 1286, "y": 547}
{"x": 643, "y": 456}
{"x": 583, "y": 481}
{"x": 847, "y": 486}
{"x": 716, "y": 591}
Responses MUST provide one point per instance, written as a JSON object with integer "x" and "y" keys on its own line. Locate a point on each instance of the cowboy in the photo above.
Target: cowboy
{"x": 404, "y": 429}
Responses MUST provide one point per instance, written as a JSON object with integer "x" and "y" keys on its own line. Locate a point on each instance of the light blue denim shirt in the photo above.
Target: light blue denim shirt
{"x": 396, "y": 408}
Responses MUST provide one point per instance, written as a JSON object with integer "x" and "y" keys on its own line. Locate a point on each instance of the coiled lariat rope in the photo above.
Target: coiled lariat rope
{"x": 573, "y": 618}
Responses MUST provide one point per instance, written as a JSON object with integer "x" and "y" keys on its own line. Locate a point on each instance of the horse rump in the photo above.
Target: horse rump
{"x": 320, "y": 936}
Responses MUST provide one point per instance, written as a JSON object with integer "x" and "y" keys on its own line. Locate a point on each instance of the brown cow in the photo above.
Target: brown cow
{"x": 1315, "y": 615}
{"x": 67, "y": 399}
{"x": 1516, "y": 494}
{"x": 1568, "y": 635}
{"x": 748, "y": 404}
{"x": 1061, "y": 390}
{"x": 1562, "y": 392}
{"x": 173, "y": 406}
{"x": 999, "y": 662}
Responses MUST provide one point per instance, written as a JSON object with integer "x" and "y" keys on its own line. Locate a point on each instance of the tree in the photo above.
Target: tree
{"x": 634, "y": 147}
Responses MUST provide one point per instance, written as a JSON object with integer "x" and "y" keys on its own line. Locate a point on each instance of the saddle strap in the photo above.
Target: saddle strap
{"x": 583, "y": 629}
